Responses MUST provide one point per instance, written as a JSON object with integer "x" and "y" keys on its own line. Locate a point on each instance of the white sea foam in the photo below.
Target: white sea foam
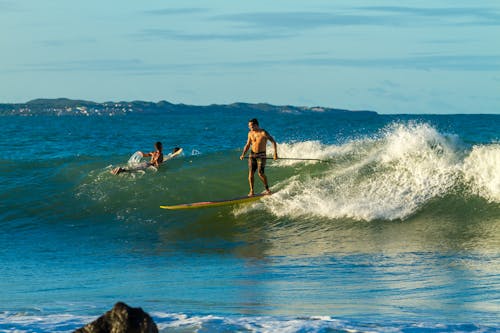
{"x": 135, "y": 159}
{"x": 24, "y": 322}
{"x": 482, "y": 170}
{"x": 389, "y": 176}
{"x": 262, "y": 324}
{"x": 304, "y": 150}
{"x": 178, "y": 322}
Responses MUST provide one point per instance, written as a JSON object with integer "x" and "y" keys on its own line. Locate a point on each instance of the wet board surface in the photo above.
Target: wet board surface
{"x": 206, "y": 204}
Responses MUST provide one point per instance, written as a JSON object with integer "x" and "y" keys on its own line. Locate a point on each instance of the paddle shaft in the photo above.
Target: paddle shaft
{"x": 291, "y": 158}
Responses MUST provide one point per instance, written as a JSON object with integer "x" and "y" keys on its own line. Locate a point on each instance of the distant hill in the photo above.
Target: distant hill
{"x": 65, "y": 106}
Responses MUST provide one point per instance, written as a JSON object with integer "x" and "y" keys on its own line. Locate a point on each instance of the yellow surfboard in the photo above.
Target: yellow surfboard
{"x": 207, "y": 204}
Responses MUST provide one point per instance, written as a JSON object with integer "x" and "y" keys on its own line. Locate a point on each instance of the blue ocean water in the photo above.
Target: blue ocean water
{"x": 397, "y": 230}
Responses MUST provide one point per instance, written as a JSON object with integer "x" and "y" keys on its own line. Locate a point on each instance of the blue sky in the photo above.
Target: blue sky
{"x": 387, "y": 56}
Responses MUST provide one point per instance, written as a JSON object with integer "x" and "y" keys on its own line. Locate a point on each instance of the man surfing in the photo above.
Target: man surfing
{"x": 156, "y": 160}
{"x": 257, "y": 139}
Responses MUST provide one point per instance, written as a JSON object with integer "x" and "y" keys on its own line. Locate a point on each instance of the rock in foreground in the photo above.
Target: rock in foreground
{"x": 121, "y": 319}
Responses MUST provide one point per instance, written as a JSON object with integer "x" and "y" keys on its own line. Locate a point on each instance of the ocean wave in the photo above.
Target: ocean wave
{"x": 179, "y": 322}
{"x": 389, "y": 176}
{"x": 268, "y": 324}
{"x": 481, "y": 170}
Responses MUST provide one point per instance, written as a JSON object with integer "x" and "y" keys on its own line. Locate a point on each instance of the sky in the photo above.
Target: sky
{"x": 393, "y": 57}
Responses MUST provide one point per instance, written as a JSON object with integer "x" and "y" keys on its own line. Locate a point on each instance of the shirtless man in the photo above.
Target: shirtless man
{"x": 257, "y": 139}
{"x": 156, "y": 160}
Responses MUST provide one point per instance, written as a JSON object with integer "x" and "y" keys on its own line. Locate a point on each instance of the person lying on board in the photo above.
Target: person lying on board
{"x": 257, "y": 139}
{"x": 156, "y": 160}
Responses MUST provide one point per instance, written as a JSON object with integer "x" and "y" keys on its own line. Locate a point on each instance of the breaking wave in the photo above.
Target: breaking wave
{"x": 389, "y": 176}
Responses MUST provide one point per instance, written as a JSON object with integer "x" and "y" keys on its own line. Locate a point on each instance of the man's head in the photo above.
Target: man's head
{"x": 253, "y": 124}
{"x": 158, "y": 146}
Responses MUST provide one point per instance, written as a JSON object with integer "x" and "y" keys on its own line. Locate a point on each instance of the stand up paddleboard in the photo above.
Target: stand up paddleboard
{"x": 206, "y": 204}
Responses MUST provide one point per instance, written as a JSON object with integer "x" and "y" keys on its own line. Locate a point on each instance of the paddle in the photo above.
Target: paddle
{"x": 292, "y": 159}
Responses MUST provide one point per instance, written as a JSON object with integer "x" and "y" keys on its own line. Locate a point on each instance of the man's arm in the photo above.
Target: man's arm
{"x": 275, "y": 146}
{"x": 247, "y": 146}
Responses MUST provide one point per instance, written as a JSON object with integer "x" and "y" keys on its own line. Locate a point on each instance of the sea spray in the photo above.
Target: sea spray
{"x": 388, "y": 177}
{"x": 481, "y": 171}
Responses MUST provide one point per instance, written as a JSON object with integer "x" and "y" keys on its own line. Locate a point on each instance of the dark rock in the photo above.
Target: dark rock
{"x": 121, "y": 319}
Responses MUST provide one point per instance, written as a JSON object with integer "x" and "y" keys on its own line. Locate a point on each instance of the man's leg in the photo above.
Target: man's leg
{"x": 252, "y": 167}
{"x": 251, "y": 180}
{"x": 262, "y": 175}
{"x": 116, "y": 171}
